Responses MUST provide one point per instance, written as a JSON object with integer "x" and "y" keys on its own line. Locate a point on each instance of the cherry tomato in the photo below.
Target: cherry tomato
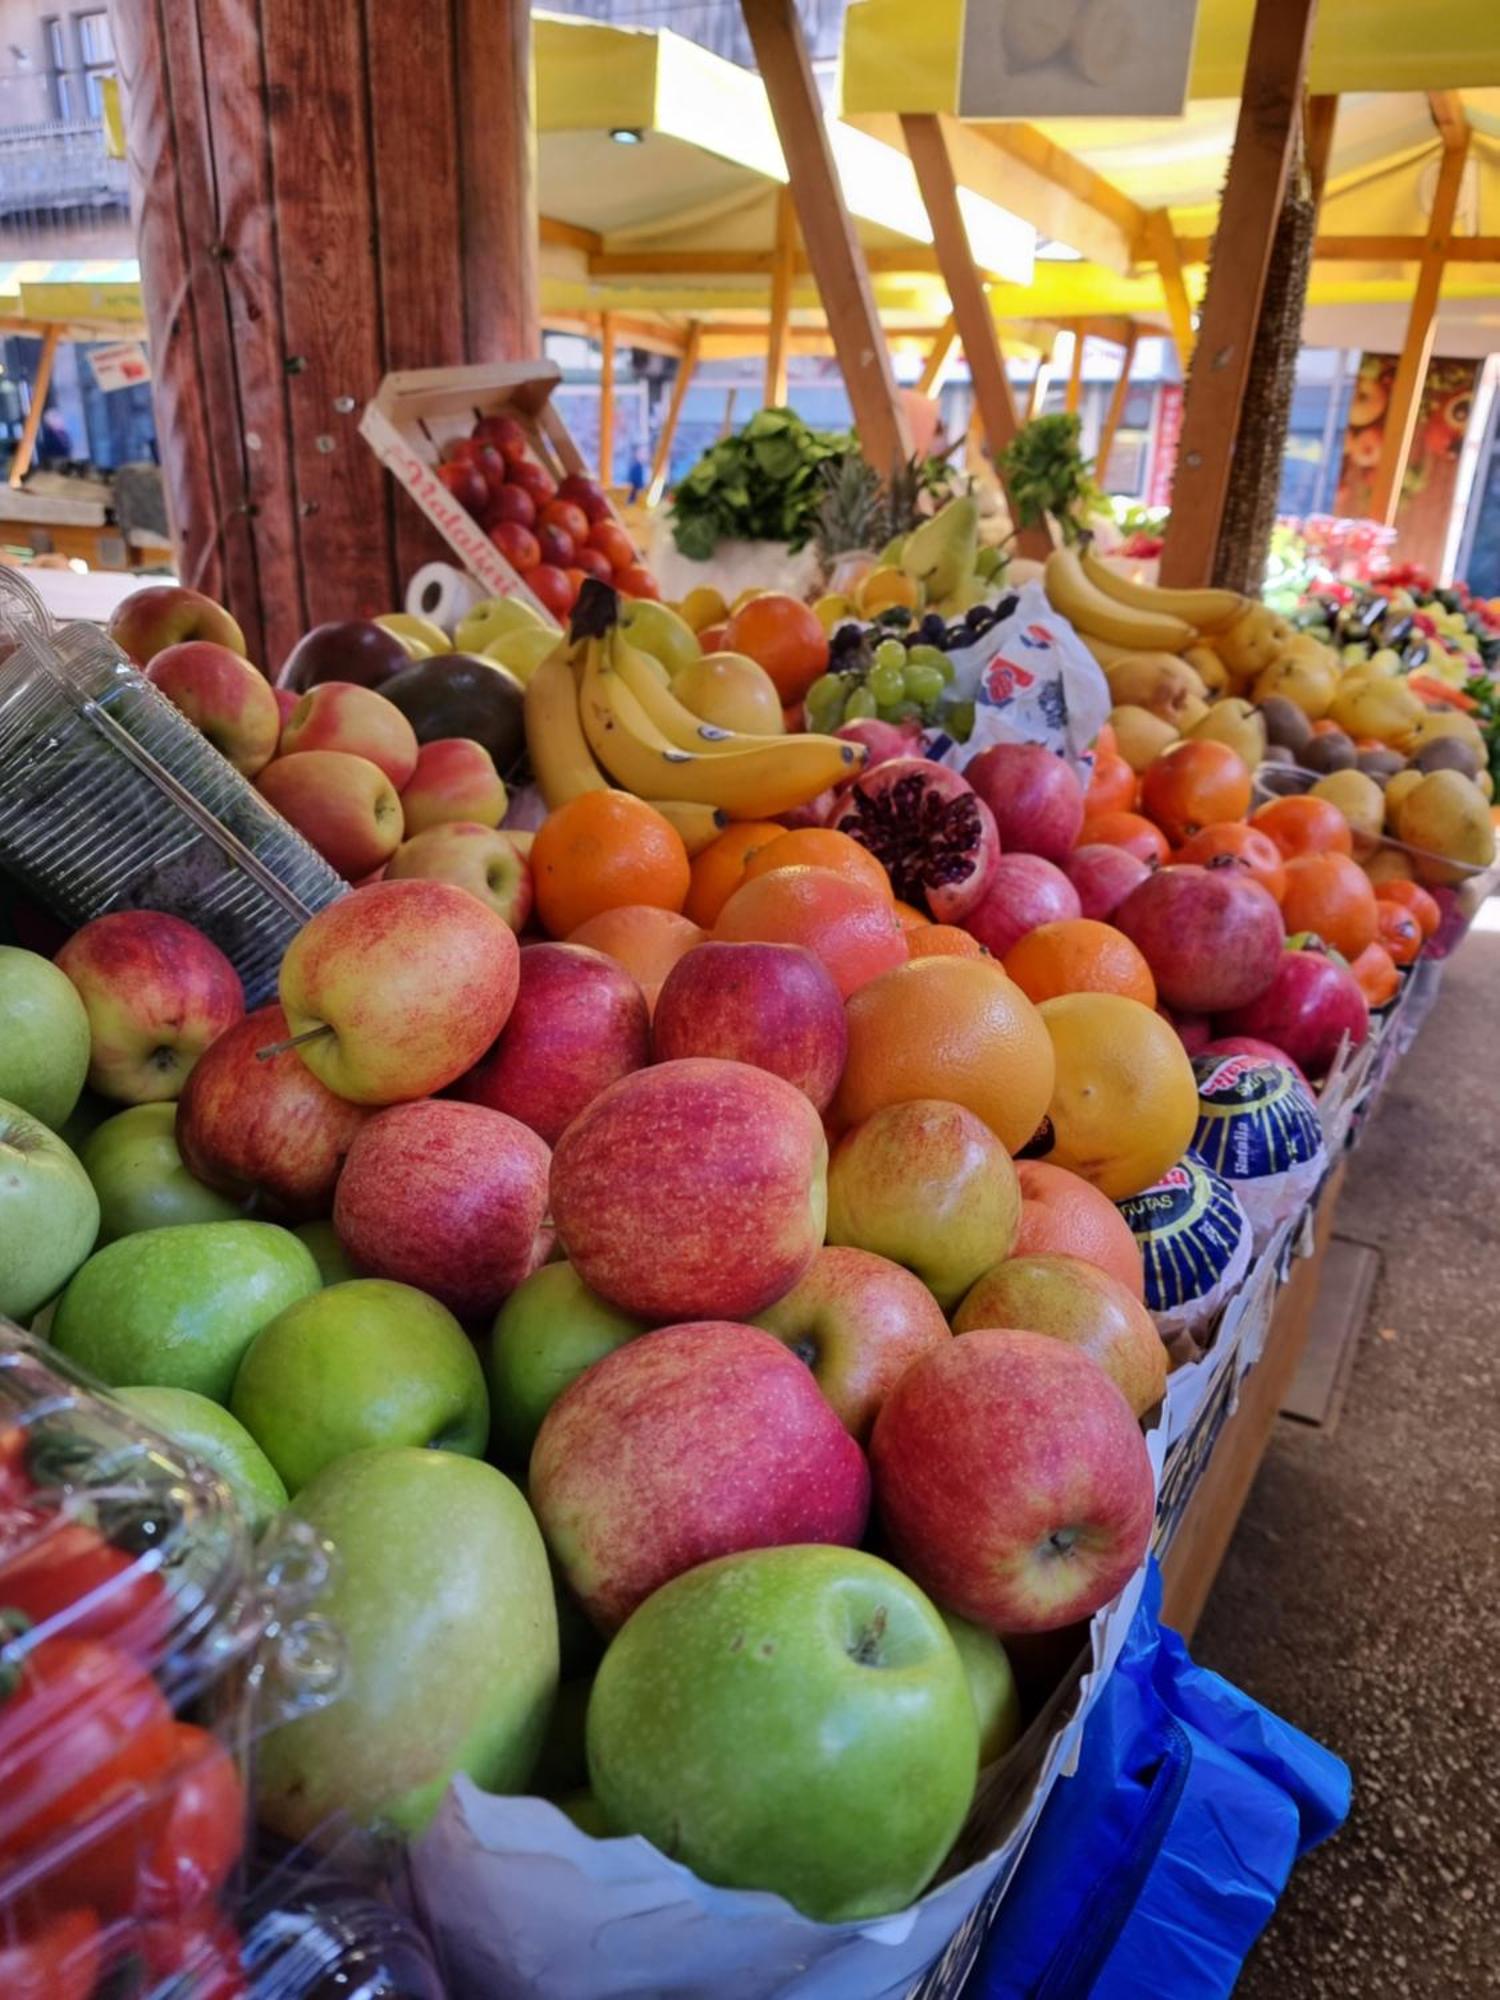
{"x": 203, "y": 1954}
{"x": 59, "y": 1962}
{"x": 85, "y": 1736}
{"x": 68, "y": 1572}
{"x": 205, "y": 1834}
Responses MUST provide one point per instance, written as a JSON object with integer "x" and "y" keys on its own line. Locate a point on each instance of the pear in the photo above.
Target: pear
{"x": 1209, "y": 668}
{"x": 491, "y": 617}
{"x": 940, "y": 553}
{"x": 1160, "y": 682}
{"x": 523, "y": 649}
{"x": 1384, "y": 709}
{"x": 1362, "y": 803}
{"x": 1256, "y": 638}
{"x": 1304, "y": 682}
{"x": 971, "y": 590}
{"x": 1445, "y": 814}
{"x": 1395, "y": 792}
{"x": 732, "y": 692}
{"x": 1236, "y": 722}
{"x": 658, "y": 630}
{"x": 1139, "y": 735}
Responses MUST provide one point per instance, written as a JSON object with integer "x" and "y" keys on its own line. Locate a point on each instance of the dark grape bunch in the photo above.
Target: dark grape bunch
{"x": 897, "y": 669}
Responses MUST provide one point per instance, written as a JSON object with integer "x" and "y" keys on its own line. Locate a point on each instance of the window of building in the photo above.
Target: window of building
{"x": 97, "y": 51}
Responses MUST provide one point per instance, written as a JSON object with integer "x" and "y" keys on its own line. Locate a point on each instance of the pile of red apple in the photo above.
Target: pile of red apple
{"x": 553, "y": 533}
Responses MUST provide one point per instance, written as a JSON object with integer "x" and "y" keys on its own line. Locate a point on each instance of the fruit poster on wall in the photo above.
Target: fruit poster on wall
{"x": 1432, "y": 466}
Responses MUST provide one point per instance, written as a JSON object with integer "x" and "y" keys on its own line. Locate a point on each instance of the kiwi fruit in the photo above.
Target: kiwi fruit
{"x": 1380, "y": 764}
{"x": 1330, "y": 750}
{"x": 1448, "y": 753}
{"x": 1285, "y": 722}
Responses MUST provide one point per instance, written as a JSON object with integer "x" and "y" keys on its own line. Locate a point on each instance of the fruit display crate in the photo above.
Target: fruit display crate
{"x": 416, "y": 411}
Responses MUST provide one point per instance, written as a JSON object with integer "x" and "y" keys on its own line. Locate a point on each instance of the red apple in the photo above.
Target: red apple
{"x": 1024, "y": 891}
{"x": 771, "y": 1005}
{"x": 1063, "y": 1213}
{"x": 592, "y": 563}
{"x": 480, "y": 859}
{"x": 345, "y": 806}
{"x": 164, "y": 614}
{"x": 559, "y": 550}
{"x": 465, "y": 482}
{"x": 1069, "y": 1299}
{"x": 1310, "y": 1005}
{"x": 694, "y": 1189}
{"x": 342, "y": 715}
{"x": 451, "y": 1198}
{"x": 267, "y": 1128}
{"x": 157, "y": 993}
{"x": 635, "y": 580}
{"x": 1013, "y": 1480}
{"x": 412, "y": 981}
{"x": 568, "y": 516}
{"x": 518, "y": 545}
{"x": 578, "y": 1025}
{"x": 537, "y": 480}
{"x": 1104, "y": 877}
{"x": 884, "y": 741}
{"x": 286, "y": 700}
{"x": 511, "y": 503}
{"x": 506, "y": 435}
{"x": 585, "y": 494}
{"x": 1034, "y": 795}
{"x": 348, "y": 649}
{"x": 224, "y": 697}
{"x": 859, "y": 1322}
{"x": 455, "y": 779}
{"x": 694, "y": 1442}
{"x": 1211, "y": 936}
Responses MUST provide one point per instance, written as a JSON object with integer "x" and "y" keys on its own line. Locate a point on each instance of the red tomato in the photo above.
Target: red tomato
{"x": 537, "y": 480}
{"x": 68, "y": 1572}
{"x": 592, "y": 563}
{"x": 205, "y": 1834}
{"x": 517, "y": 544}
{"x": 506, "y": 435}
{"x": 59, "y": 1962}
{"x": 586, "y": 494}
{"x": 637, "y": 581}
{"x": 513, "y": 503}
{"x": 84, "y": 1731}
{"x": 556, "y": 544}
{"x": 203, "y": 1955}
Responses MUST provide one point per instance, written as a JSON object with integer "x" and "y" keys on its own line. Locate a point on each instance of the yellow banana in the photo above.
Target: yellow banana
{"x": 698, "y": 824}
{"x": 755, "y": 781}
{"x": 1085, "y": 605}
{"x": 678, "y": 724}
{"x": 1207, "y": 610}
{"x": 555, "y": 741}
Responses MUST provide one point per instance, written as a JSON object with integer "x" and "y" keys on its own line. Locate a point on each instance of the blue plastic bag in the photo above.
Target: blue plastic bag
{"x": 1157, "y": 1865}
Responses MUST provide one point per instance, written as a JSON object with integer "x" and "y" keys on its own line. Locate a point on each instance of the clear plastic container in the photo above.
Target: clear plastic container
{"x": 111, "y": 800}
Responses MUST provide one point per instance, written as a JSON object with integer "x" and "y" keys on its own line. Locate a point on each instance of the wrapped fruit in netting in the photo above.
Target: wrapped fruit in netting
{"x": 1195, "y": 1242}
{"x": 1258, "y": 1127}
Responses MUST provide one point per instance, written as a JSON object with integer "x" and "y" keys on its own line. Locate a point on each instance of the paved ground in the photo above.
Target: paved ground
{"x": 1361, "y": 1596}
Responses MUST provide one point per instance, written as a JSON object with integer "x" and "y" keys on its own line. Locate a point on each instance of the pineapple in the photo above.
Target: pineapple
{"x": 853, "y": 511}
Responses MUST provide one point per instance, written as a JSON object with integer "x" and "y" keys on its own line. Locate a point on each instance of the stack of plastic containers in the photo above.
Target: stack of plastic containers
{"x": 145, "y": 1640}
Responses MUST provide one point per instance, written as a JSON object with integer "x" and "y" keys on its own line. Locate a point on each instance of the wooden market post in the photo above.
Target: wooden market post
{"x": 25, "y": 450}
{"x": 321, "y": 194}
{"x": 1119, "y": 396}
{"x": 783, "y": 277}
{"x": 687, "y": 363}
{"x": 1265, "y": 142}
{"x": 833, "y": 249}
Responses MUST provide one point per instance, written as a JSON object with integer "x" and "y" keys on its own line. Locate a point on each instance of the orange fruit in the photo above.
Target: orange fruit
{"x": 647, "y": 941}
{"x": 785, "y": 637}
{"x": 1079, "y": 955}
{"x": 1398, "y": 929}
{"x": 1412, "y": 896}
{"x": 1375, "y": 972}
{"x": 1106, "y": 743}
{"x": 1112, "y": 788}
{"x": 909, "y": 918}
{"x": 848, "y": 925}
{"x": 942, "y": 941}
{"x": 1237, "y": 841}
{"x": 602, "y": 851}
{"x": 1193, "y": 785}
{"x": 1125, "y": 1101}
{"x": 1062, "y": 1215}
{"x": 719, "y": 869}
{"x": 819, "y": 847}
{"x": 1138, "y": 836}
{"x": 1332, "y": 895}
{"x": 952, "y": 1028}
{"x": 1304, "y": 825}
{"x": 884, "y": 587}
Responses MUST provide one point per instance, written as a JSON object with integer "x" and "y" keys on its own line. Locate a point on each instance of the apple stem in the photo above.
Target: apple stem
{"x": 293, "y": 1042}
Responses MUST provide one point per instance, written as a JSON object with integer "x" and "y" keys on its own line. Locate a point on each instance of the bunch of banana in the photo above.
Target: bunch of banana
{"x": 600, "y": 714}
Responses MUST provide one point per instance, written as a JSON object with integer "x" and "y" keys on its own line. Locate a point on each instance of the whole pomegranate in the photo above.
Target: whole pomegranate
{"x": 1249, "y": 1045}
{"x": 1035, "y": 797}
{"x": 883, "y": 740}
{"x": 1310, "y": 1004}
{"x": 931, "y": 831}
{"x": 1211, "y": 936}
{"x": 1024, "y": 891}
{"x": 1104, "y": 876}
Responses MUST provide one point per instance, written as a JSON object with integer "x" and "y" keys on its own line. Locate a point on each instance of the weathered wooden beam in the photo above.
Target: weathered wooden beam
{"x": 1162, "y": 246}
{"x": 492, "y": 109}
{"x": 783, "y": 276}
{"x": 20, "y": 463}
{"x": 1114, "y": 415}
{"x": 661, "y": 464}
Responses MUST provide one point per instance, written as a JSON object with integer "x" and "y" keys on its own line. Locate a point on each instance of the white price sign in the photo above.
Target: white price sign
{"x": 120, "y": 364}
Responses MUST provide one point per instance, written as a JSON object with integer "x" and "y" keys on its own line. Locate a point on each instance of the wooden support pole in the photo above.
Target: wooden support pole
{"x": 783, "y": 276}
{"x": 661, "y": 464}
{"x": 1168, "y": 259}
{"x": 1319, "y": 117}
{"x": 1421, "y": 331}
{"x": 938, "y": 356}
{"x": 606, "y": 400}
{"x": 1075, "y": 373}
{"x": 1264, "y": 144}
{"x": 20, "y": 464}
{"x": 1041, "y": 383}
{"x": 928, "y": 150}
{"x": 1116, "y": 410}
{"x": 838, "y": 263}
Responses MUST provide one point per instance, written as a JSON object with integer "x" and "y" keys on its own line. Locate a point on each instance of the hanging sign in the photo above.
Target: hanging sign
{"x": 1075, "y": 58}
{"x": 119, "y": 364}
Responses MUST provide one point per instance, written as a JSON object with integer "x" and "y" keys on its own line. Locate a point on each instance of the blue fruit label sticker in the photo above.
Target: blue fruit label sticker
{"x": 1191, "y": 1231}
{"x": 1255, "y": 1118}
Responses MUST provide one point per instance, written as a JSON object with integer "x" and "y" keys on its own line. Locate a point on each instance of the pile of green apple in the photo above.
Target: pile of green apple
{"x": 556, "y": 1321}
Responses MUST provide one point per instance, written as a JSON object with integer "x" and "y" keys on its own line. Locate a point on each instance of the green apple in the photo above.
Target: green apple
{"x": 49, "y": 1213}
{"x": 793, "y": 1719}
{"x": 44, "y": 1050}
{"x": 443, "y": 1601}
{"x": 548, "y": 1331}
{"x": 365, "y": 1363}
{"x": 992, "y": 1686}
{"x": 210, "y": 1433}
{"x": 140, "y": 1180}
{"x": 330, "y": 1256}
{"x": 176, "y": 1308}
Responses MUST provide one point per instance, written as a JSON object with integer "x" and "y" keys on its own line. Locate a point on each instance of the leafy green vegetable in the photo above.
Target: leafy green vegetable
{"x": 762, "y": 484}
{"x": 1047, "y": 473}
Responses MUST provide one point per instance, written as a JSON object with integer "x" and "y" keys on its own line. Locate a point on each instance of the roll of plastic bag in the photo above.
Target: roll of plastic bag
{"x": 442, "y": 593}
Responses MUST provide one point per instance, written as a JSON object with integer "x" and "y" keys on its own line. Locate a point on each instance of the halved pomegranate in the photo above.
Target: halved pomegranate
{"x": 935, "y": 836}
